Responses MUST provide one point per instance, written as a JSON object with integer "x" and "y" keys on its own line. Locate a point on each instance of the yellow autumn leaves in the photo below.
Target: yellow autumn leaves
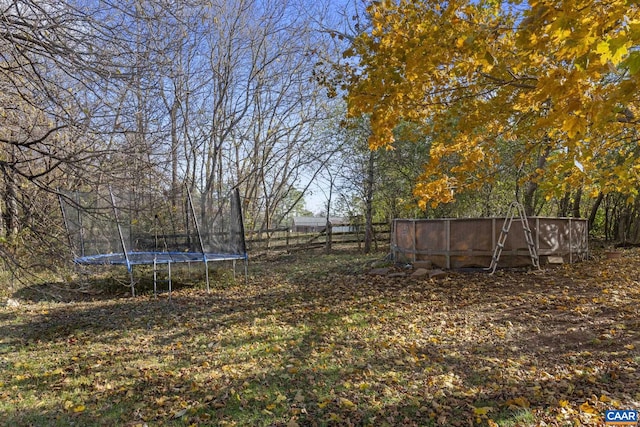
{"x": 73, "y": 407}
{"x": 561, "y": 80}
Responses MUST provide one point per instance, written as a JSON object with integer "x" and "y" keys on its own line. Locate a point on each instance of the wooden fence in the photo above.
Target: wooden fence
{"x": 281, "y": 240}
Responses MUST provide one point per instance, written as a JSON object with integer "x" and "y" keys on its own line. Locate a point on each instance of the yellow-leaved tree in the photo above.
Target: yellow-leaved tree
{"x": 558, "y": 80}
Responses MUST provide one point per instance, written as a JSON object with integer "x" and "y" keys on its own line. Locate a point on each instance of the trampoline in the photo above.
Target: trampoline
{"x": 106, "y": 227}
{"x": 141, "y": 258}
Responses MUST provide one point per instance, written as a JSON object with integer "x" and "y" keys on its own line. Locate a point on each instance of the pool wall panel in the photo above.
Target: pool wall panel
{"x": 470, "y": 242}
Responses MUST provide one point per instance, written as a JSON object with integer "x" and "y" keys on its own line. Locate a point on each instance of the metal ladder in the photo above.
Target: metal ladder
{"x": 514, "y": 208}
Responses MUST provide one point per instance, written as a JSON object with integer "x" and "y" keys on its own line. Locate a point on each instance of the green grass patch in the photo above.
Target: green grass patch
{"x": 318, "y": 342}
{"x": 516, "y": 418}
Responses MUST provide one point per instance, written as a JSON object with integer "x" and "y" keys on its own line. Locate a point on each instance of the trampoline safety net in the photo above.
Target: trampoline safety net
{"x": 106, "y": 226}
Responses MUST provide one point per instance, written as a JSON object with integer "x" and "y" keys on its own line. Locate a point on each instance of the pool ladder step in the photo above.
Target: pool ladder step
{"x": 514, "y": 208}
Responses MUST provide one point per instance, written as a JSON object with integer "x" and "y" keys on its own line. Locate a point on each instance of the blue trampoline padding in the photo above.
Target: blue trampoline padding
{"x": 142, "y": 258}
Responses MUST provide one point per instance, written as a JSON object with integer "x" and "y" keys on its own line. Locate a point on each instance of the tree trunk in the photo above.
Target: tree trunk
{"x": 11, "y": 205}
{"x": 11, "y": 213}
{"x": 368, "y": 198}
{"x": 575, "y": 209}
{"x": 594, "y": 210}
{"x": 174, "y": 152}
{"x": 532, "y": 185}
{"x": 329, "y": 232}
{"x": 607, "y": 218}
{"x": 564, "y": 205}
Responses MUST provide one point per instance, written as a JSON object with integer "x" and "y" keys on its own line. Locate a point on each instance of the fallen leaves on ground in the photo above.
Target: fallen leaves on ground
{"x": 319, "y": 342}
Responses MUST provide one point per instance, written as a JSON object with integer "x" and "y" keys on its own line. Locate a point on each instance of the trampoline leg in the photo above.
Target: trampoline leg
{"x": 133, "y": 284}
{"x": 206, "y": 274}
{"x": 234, "y": 270}
{"x": 246, "y": 271}
{"x": 155, "y": 279}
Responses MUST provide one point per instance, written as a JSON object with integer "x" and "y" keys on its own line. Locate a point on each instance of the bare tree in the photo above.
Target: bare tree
{"x": 246, "y": 90}
{"x": 64, "y": 71}
{"x": 140, "y": 93}
{"x": 50, "y": 84}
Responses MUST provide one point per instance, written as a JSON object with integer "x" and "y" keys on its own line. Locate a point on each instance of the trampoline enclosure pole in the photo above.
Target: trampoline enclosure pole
{"x": 80, "y": 224}
{"x": 195, "y": 222}
{"x": 124, "y": 248}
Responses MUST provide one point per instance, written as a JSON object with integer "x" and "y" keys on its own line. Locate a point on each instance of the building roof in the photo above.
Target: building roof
{"x": 314, "y": 221}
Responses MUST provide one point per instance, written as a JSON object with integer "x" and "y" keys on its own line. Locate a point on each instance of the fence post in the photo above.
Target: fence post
{"x": 287, "y": 241}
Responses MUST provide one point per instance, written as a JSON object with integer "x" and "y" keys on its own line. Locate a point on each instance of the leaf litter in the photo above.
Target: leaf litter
{"x": 320, "y": 342}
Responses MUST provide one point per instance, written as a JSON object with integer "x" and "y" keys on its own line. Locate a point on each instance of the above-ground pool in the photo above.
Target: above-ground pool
{"x": 470, "y": 242}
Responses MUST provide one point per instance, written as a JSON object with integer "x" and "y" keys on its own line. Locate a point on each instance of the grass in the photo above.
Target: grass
{"x": 315, "y": 341}
{"x": 516, "y": 418}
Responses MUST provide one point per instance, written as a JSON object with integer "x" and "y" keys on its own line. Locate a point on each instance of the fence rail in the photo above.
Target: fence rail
{"x": 283, "y": 240}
